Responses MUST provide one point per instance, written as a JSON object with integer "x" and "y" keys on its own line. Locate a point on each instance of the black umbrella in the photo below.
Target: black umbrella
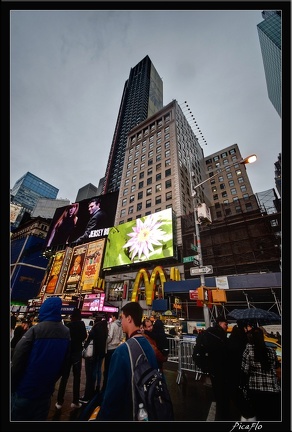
{"x": 256, "y": 314}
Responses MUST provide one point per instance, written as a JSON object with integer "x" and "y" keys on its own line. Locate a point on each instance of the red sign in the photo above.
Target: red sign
{"x": 193, "y": 294}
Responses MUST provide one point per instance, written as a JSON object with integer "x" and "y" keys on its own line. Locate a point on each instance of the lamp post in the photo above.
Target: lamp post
{"x": 249, "y": 159}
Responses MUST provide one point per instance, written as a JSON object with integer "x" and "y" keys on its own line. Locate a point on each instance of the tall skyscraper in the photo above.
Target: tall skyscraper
{"x": 142, "y": 97}
{"x": 269, "y": 32}
{"x": 26, "y": 193}
{"x": 87, "y": 191}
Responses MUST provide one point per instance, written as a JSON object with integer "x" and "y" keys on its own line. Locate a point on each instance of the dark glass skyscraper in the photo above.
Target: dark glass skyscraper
{"x": 142, "y": 97}
{"x": 270, "y": 32}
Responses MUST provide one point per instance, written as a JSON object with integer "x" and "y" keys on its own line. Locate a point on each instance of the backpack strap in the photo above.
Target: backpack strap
{"x": 135, "y": 351}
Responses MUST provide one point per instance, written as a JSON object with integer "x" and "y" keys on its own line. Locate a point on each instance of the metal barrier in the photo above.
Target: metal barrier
{"x": 181, "y": 351}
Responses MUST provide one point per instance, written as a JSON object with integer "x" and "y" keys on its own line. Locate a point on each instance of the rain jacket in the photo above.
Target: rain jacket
{"x": 115, "y": 335}
{"x": 40, "y": 355}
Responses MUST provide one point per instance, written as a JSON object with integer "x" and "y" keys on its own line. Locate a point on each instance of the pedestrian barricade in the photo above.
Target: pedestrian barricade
{"x": 180, "y": 352}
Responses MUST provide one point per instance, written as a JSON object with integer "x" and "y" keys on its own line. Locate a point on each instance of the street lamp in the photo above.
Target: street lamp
{"x": 250, "y": 159}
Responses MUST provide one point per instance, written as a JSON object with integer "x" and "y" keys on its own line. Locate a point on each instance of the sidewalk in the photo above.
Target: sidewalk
{"x": 192, "y": 400}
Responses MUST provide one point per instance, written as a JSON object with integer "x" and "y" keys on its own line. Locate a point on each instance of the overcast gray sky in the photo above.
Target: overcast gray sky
{"x": 68, "y": 70}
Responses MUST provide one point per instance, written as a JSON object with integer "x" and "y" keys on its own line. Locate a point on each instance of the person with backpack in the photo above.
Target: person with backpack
{"x": 117, "y": 403}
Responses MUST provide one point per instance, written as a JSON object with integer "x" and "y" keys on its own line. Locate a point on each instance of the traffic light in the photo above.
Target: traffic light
{"x": 203, "y": 294}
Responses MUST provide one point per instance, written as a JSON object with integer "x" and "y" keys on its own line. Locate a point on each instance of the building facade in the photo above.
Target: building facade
{"x": 26, "y": 193}
{"x": 142, "y": 97}
{"x": 87, "y": 191}
{"x": 270, "y": 37}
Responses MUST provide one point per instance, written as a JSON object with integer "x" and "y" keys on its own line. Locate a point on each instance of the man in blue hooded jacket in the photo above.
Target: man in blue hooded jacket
{"x": 38, "y": 362}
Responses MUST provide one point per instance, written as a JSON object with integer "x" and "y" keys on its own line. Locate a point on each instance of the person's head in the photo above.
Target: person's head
{"x": 147, "y": 324}
{"x": 76, "y": 315}
{"x": 93, "y": 205}
{"x": 25, "y": 324}
{"x": 73, "y": 209}
{"x": 132, "y": 314}
{"x": 77, "y": 259}
{"x": 222, "y": 322}
{"x": 50, "y": 310}
{"x": 114, "y": 316}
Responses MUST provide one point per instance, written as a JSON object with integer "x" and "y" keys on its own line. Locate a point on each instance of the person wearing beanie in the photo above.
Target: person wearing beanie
{"x": 78, "y": 335}
{"x": 38, "y": 362}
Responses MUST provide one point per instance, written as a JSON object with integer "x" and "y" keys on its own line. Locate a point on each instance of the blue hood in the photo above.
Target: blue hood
{"x": 51, "y": 309}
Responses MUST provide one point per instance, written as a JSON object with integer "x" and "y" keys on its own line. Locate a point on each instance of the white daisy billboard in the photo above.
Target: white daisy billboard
{"x": 145, "y": 239}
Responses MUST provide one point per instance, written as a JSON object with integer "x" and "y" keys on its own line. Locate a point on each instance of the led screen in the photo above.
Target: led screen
{"x": 145, "y": 239}
{"x": 79, "y": 223}
{"x": 93, "y": 302}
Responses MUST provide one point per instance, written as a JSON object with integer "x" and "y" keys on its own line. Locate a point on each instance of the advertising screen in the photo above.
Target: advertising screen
{"x": 75, "y": 269}
{"x": 145, "y": 239}
{"x": 93, "y": 302}
{"x": 84, "y": 221}
{"x": 91, "y": 267}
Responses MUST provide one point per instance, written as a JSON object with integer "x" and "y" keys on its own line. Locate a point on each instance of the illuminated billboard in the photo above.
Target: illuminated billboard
{"x": 82, "y": 222}
{"x": 91, "y": 267}
{"x": 75, "y": 269}
{"x": 145, "y": 239}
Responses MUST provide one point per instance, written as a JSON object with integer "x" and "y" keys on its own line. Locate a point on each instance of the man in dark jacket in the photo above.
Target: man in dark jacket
{"x": 37, "y": 364}
{"x": 98, "y": 219}
{"x": 78, "y": 335}
{"x": 215, "y": 341}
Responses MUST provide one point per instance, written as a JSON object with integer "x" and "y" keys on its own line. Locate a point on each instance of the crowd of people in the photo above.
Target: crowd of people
{"x": 242, "y": 369}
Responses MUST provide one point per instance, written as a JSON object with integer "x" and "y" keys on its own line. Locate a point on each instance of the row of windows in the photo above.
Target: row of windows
{"x": 158, "y": 188}
{"x": 139, "y": 207}
{"x": 150, "y": 155}
{"x": 222, "y": 156}
{"x": 148, "y": 204}
{"x": 238, "y": 209}
{"x": 153, "y": 126}
{"x": 167, "y": 173}
{"x": 232, "y": 191}
{"x": 230, "y": 183}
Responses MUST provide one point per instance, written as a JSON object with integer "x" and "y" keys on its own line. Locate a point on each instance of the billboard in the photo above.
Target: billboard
{"x": 58, "y": 272}
{"x": 91, "y": 269}
{"x": 145, "y": 239}
{"x": 93, "y": 302}
{"x": 83, "y": 221}
{"x": 72, "y": 283}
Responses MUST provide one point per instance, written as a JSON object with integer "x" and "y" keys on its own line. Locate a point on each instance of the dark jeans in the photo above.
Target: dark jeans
{"x": 93, "y": 376}
{"x": 222, "y": 397}
{"x": 29, "y": 409}
{"x": 74, "y": 364}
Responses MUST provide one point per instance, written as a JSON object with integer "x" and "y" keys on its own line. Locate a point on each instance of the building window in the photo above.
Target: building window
{"x": 231, "y": 183}
{"x": 132, "y": 198}
{"x": 147, "y": 213}
{"x": 158, "y": 188}
{"x": 141, "y": 184}
{"x": 142, "y": 166}
{"x": 150, "y": 154}
{"x": 140, "y": 195}
{"x": 134, "y": 179}
{"x": 158, "y": 167}
{"x": 129, "y": 219}
{"x": 158, "y": 157}
{"x": 167, "y": 153}
{"x": 214, "y": 189}
{"x": 215, "y": 197}
{"x": 149, "y": 180}
{"x": 148, "y": 191}
{"x": 168, "y": 172}
{"x": 248, "y": 206}
{"x": 131, "y": 209}
{"x": 226, "y": 202}
{"x": 237, "y": 209}
{"x": 225, "y": 161}
{"x": 168, "y": 184}
{"x": 158, "y": 135}
{"x": 138, "y": 216}
{"x": 229, "y": 175}
{"x": 245, "y": 196}
{"x": 148, "y": 203}
{"x": 158, "y": 176}
{"x": 167, "y": 162}
{"x": 151, "y": 146}
{"x": 166, "y": 136}
{"x": 215, "y": 158}
{"x": 168, "y": 196}
{"x": 123, "y": 213}
{"x": 235, "y": 199}
{"x": 240, "y": 180}
{"x": 133, "y": 188}
{"x": 149, "y": 171}
{"x": 223, "y": 155}
{"x": 128, "y": 173}
{"x": 127, "y": 181}
{"x": 137, "y": 153}
{"x": 124, "y": 202}
{"x": 158, "y": 149}
{"x": 238, "y": 172}
{"x": 232, "y": 151}
{"x": 150, "y": 162}
{"x": 141, "y": 175}
{"x": 135, "y": 169}
{"x": 228, "y": 212}
{"x": 233, "y": 191}
{"x": 139, "y": 207}
{"x": 135, "y": 162}
{"x": 143, "y": 157}
{"x": 243, "y": 188}
{"x": 222, "y": 186}
{"x": 166, "y": 145}
{"x": 158, "y": 210}
{"x": 219, "y": 214}
{"x": 224, "y": 194}
{"x": 158, "y": 199}
{"x": 125, "y": 191}
{"x": 129, "y": 165}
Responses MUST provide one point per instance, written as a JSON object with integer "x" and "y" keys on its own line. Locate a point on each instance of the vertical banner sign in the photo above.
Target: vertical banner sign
{"x": 64, "y": 271}
{"x": 91, "y": 269}
{"x": 75, "y": 269}
{"x": 54, "y": 273}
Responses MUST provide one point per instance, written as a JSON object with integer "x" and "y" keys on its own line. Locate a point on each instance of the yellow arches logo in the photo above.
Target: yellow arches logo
{"x": 149, "y": 282}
